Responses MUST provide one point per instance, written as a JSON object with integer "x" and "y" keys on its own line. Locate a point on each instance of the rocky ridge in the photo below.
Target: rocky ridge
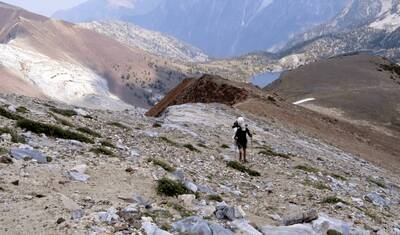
{"x": 108, "y": 181}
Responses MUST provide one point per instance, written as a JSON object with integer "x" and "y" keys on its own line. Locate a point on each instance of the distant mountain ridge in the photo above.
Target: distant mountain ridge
{"x": 220, "y": 28}
{"x": 150, "y": 41}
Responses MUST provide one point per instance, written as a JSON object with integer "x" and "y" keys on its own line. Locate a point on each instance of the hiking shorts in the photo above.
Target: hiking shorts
{"x": 242, "y": 145}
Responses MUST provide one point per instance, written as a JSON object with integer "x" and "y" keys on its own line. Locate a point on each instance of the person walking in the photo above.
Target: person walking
{"x": 242, "y": 131}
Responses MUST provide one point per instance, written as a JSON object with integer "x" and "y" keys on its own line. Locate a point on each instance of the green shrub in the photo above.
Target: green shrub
{"x": 7, "y": 114}
{"x": 88, "y": 131}
{"x": 157, "y": 125}
{"x": 163, "y": 164}
{"x": 102, "y": 150}
{"x": 52, "y": 131}
{"x": 267, "y": 151}
{"x": 64, "y": 112}
{"x": 117, "y": 124}
{"x": 333, "y": 200}
{"x": 165, "y": 139}
{"x": 216, "y": 198}
{"x": 171, "y": 188}
{"x": 61, "y": 120}
{"x": 238, "y": 166}
{"x": 337, "y": 176}
{"x": 191, "y": 148}
{"x": 107, "y": 143}
{"x": 378, "y": 182}
{"x": 307, "y": 168}
{"x": 333, "y": 232}
{"x": 14, "y": 135}
{"x": 318, "y": 185}
{"x": 224, "y": 146}
{"x": 3, "y": 150}
{"x": 22, "y": 109}
{"x": 202, "y": 145}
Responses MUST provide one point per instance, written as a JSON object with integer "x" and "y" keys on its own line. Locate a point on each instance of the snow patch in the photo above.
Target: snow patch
{"x": 303, "y": 101}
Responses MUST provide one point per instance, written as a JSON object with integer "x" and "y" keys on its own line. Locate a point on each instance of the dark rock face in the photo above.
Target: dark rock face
{"x": 207, "y": 89}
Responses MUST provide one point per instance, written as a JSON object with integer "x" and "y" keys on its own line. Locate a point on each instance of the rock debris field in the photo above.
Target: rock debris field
{"x": 67, "y": 170}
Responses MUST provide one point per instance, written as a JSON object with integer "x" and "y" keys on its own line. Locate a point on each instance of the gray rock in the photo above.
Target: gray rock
{"x": 223, "y": 211}
{"x": 376, "y": 199}
{"x": 110, "y": 216}
{"x": 6, "y": 137}
{"x": 27, "y": 154}
{"x": 77, "y": 214}
{"x": 325, "y": 223}
{"x": 142, "y": 202}
{"x": 297, "y": 229}
{"x": 300, "y": 217}
{"x": 190, "y": 186}
{"x": 152, "y": 229}
{"x": 243, "y": 227}
{"x": 78, "y": 173}
{"x": 196, "y": 226}
{"x": 179, "y": 175}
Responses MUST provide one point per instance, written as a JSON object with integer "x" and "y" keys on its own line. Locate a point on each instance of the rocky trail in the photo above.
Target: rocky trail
{"x": 120, "y": 172}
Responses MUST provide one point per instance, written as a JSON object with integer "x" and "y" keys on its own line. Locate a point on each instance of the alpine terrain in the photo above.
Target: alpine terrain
{"x": 220, "y": 28}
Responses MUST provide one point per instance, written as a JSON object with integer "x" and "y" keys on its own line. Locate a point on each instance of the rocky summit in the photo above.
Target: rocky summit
{"x": 69, "y": 170}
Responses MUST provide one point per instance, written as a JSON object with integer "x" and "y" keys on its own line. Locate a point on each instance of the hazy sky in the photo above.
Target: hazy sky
{"x": 44, "y": 7}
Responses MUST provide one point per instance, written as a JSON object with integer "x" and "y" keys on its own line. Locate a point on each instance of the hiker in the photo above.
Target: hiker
{"x": 242, "y": 131}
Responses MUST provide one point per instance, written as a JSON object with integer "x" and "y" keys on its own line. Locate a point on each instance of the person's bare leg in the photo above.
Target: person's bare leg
{"x": 244, "y": 155}
{"x": 240, "y": 155}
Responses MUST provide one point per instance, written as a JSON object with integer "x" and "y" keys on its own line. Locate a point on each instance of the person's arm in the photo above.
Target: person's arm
{"x": 248, "y": 132}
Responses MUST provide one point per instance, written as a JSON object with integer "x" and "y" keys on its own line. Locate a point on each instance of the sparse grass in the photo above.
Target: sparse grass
{"x": 267, "y": 151}
{"x": 378, "y": 182}
{"x": 240, "y": 167}
{"x": 107, "y": 143}
{"x": 337, "y": 176}
{"x": 317, "y": 184}
{"x": 62, "y": 120}
{"x": 3, "y": 151}
{"x": 64, "y": 112}
{"x": 163, "y": 164}
{"x": 171, "y": 188}
{"x": 216, "y": 198}
{"x": 202, "y": 145}
{"x": 306, "y": 168}
{"x": 333, "y": 232}
{"x": 191, "y": 148}
{"x": 181, "y": 209}
{"x": 224, "y": 146}
{"x": 102, "y": 151}
{"x": 7, "y": 114}
{"x": 333, "y": 200}
{"x": 88, "y": 131}
{"x": 22, "y": 109}
{"x": 15, "y": 138}
{"x": 165, "y": 139}
{"x": 52, "y": 131}
{"x": 156, "y": 125}
{"x": 117, "y": 124}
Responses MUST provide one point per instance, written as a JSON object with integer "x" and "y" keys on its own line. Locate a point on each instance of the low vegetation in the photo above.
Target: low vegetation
{"x": 22, "y": 109}
{"x": 306, "y": 168}
{"x": 267, "y": 151}
{"x": 52, "y": 131}
{"x": 240, "y": 167}
{"x": 333, "y": 200}
{"x": 215, "y": 197}
{"x": 337, "y": 176}
{"x": 171, "y": 188}
{"x": 118, "y": 124}
{"x": 377, "y": 182}
{"x": 102, "y": 151}
{"x": 394, "y": 68}
{"x": 15, "y": 138}
{"x": 62, "y": 121}
{"x": 317, "y": 184}
{"x": 224, "y": 146}
{"x": 64, "y": 112}
{"x": 181, "y": 209}
{"x": 88, "y": 131}
{"x": 7, "y": 114}
{"x": 171, "y": 142}
{"x": 191, "y": 148}
{"x": 107, "y": 143}
{"x": 163, "y": 164}
{"x": 3, "y": 151}
{"x": 333, "y": 232}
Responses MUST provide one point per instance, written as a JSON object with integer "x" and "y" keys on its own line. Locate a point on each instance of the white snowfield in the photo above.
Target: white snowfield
{"x": 303, "y": 101}
{"x": 388, "y": 19}
{"x": 67, "y": 82}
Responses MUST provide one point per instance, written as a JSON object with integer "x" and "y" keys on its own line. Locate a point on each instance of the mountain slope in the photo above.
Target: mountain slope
{"x": 220, "y": 28}
{"x": 361, "y": 89}
{"x": 150, "y": 41}
{"x": 79, "y": 66}
{"x": 363, "y": 25}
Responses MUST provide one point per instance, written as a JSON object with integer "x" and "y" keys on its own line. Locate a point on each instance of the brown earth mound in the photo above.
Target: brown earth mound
{"x": 368, "y": 143}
